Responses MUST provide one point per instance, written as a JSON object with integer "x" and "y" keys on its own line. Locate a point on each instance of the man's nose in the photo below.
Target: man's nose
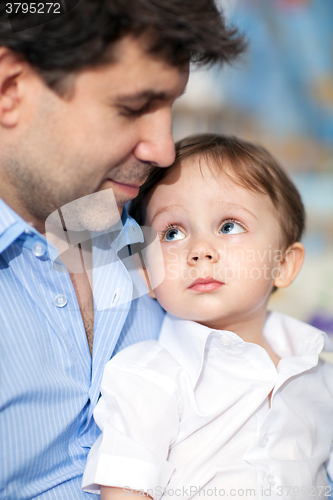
{"x": 156, "y": 144}
{"x": 202, "y": 251}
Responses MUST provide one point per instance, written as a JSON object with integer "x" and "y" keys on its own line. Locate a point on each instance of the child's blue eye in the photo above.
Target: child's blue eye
{"x": 173, "y": 234}
{"x": 231, "y": 228}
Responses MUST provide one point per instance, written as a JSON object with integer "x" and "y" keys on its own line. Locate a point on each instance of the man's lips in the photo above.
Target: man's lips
{"x": 131, "y": 190}
{"x": 205, "y": 285}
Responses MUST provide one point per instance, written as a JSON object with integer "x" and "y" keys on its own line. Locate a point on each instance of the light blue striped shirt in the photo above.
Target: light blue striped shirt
{"x": 49, "y": 385}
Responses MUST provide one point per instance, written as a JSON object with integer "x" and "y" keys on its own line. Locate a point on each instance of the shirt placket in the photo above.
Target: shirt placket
{"x": 54, "y": 294}
{"x": 112, "y": 299}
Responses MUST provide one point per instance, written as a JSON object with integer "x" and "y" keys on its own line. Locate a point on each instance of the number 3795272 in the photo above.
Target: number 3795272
{"x": 33, "y": 8}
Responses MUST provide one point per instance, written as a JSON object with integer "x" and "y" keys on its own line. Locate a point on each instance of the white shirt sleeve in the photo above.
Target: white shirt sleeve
{"x": 138, "y": 414}
{"x": 329, "y": 468}
{"x": 328, "y": 375}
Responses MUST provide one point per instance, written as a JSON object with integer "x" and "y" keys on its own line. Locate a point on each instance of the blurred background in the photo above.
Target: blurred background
{"x": 280, "y": 95}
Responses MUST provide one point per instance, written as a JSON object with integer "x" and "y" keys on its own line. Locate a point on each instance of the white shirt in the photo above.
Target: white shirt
{"x": 191, "y": 411}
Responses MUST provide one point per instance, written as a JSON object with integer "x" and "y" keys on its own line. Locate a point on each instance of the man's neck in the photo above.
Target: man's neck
{"x": 11, "y": 198}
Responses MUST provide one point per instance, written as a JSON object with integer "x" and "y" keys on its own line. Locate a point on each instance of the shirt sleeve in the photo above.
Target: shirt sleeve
{"x": 139, "y": 418}
{"x": 328, "y": 372}
{"x": 329, "y": 468}
{"x": 330, "y": 487}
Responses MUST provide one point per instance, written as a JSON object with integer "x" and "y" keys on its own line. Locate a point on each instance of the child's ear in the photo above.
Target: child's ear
{"x": 290, "y": 265}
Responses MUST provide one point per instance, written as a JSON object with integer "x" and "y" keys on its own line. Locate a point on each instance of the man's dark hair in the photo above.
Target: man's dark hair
{"x": 249, "y": 165}
{"x": 180, "y": 31}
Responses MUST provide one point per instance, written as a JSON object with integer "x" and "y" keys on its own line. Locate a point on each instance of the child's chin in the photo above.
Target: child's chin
{"x": 203, "y": 318}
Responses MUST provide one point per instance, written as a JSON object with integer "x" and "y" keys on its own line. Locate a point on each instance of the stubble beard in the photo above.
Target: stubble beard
{"x": 86, "y": 207}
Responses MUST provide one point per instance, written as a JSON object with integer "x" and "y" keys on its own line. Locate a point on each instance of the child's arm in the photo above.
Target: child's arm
{"x": 108, "y": 493}
{"x": 138, "y": 414}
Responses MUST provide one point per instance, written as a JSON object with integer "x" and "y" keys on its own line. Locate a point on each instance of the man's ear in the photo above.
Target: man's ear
{"x": 290, "y": 265}
{"x": 11, "y": 68}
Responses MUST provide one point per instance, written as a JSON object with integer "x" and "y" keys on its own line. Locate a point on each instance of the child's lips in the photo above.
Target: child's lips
{"x": 205, "y": 285}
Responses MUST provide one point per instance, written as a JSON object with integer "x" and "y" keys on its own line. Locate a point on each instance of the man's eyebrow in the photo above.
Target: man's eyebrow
{"x": 148, "y": 95}
{"x": 168, "y": 208}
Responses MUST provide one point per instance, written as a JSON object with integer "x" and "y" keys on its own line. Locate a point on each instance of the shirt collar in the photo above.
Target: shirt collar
{"x": 125, "y": 232}
{"x": 12, "y": 226}
{"x": 289, "y": 337}
{"x": 186, "y": 341}
{"x": 130, "y": 232}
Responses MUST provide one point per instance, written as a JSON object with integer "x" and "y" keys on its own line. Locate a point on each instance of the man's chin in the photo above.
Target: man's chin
{"x": 95, "y": 212}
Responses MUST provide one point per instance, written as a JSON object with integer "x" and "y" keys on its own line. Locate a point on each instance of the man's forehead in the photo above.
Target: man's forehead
{"x": 124, "y": 83}
{"x": 135, "y": 74}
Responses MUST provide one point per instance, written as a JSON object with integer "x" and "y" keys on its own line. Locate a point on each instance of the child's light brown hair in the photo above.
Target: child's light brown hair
{"x": 249, "y": 165}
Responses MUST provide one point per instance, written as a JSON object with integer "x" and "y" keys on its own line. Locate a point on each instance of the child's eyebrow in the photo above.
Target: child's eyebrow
{"x": 166, "y": 209}
{"x": 239, "y": 207}
{"x": 178, "y": 205}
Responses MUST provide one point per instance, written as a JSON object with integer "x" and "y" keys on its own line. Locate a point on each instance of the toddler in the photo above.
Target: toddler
{"x": 232, "y": 401}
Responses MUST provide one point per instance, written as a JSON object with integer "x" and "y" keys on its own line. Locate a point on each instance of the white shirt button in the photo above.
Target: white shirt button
{"x": 27, "y": 231}
{"x": 60, "y": 300}
{"x": 225, "y": 341}
{"x": 270, "y": 480}
{"x": 264, "y": 441}
{"x": 38, "y": 249}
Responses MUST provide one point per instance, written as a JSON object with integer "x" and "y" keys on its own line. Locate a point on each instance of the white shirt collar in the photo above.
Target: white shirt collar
{"x": 288, "y": 337}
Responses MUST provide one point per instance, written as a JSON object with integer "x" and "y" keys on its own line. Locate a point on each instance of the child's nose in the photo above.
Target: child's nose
{"x": 202, "y": 251}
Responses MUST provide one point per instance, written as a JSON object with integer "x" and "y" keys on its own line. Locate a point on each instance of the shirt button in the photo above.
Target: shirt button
{"x": 27, "y": 231}
{"x": 264, "y": 441}
{"x": 114, "y": 297}
{"x": 38, "y": 249}
{"x": 60, "y": 300}
{"x": 225, "y": 341}
{"x": 270, "y": 480}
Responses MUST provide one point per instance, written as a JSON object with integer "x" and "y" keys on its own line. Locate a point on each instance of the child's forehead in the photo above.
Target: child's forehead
{"x": 205, "y": 169}
{"x": 199, "y": 166}
{"x": 215, "y": 185}
{"x": 196, "y": 190}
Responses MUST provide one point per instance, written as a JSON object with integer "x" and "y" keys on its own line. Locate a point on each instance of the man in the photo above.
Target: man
{"x": 85, "y": 108}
